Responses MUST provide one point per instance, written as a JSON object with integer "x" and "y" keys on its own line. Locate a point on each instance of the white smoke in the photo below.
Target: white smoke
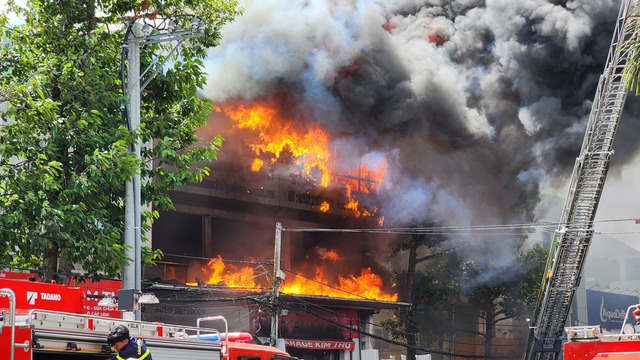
{"x": 478, "y": 103}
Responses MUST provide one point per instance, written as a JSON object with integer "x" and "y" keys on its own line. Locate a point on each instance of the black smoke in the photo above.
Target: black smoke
{"x": 478, "y": 106}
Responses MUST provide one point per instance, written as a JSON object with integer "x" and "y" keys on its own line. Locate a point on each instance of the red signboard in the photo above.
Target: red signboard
{"x": 18, "y": 275}
{"x": 44, "y": 296}
{"x": 315, "y": 324}
{"x": 81, "y": 299}
{"x": 96, "y": 290}
{"x": 321, "y": 344}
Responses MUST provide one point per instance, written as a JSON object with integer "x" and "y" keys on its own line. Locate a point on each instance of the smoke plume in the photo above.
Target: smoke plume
{"x": 479, "y": 105}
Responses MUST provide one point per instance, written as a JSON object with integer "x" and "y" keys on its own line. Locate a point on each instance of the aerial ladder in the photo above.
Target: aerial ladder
{"x": 572, "y": 239}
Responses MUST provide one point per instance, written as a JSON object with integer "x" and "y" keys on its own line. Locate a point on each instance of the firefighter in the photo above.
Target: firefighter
{"x": 127, "y": 347}
{"x": 636, "y": 314}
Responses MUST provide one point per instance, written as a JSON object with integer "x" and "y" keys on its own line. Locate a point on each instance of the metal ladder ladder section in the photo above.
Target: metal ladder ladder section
{"x": 46, "y": 319}
{"x": 573, "y": 237}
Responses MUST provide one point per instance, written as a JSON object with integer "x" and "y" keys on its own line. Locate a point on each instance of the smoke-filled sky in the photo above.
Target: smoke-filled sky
{"x": 479, "y": 106}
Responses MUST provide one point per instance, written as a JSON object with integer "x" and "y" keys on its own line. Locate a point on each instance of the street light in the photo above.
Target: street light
{"x": 131, "y": 299}
{"x": 144, "y": 29}
{"x": 108, "y": 301}
{"x": 148, "y": 299}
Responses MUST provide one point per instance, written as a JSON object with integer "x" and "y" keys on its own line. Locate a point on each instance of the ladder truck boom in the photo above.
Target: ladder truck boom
{"x": 572, "y": 239}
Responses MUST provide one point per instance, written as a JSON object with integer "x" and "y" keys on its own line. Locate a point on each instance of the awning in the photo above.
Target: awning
{"x": 321, "y": 344}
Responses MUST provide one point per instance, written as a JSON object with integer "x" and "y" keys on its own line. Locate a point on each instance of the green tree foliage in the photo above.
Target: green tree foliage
{"x": 428, "y": 285}
{"x": 501, "y": 293}
{"x": 445, "y": 290}
{"x": 532, "y": 269}
{"x": 64, "y": 143}
{"x": 632, "y": 67}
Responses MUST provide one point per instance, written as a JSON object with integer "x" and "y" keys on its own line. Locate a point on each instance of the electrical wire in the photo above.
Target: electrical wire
{"x": 196, "y": 297}
{"x": 308, "y": 304}
{"x": 395, "y": 342}
{"x": 451, "y": 230}
{"x": 251, "y": 262}
{"x": 429, "y": 230}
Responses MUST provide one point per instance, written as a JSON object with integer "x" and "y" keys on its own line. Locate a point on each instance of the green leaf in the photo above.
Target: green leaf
{"x": 67, "y": 154}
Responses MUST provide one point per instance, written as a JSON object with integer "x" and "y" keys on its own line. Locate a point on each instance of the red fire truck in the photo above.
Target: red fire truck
{"x": 588, "y": 342}
{"x": 41, "y": 321}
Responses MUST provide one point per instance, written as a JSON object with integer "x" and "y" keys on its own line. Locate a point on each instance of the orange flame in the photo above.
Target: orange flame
{"x": 229, "y": 275}
{"x": 353, "y": 206}
{"x": 364, "y": 179}
{"x": 277, "y": 137}
{"x": 330, "y": 255}
{"x": 437, "y": 38}
{"x": 256, "y": 165}
{"x": 279, "y": 140}
{"x": 366, "y": 285}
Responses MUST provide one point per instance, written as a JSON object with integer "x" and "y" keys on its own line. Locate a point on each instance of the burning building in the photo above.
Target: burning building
{"x": 275, "y": 168}
{"x": 219, "y": 245}
{"x": 368, "y": 114}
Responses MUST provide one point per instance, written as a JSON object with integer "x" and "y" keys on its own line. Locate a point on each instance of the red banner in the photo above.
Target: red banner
{"x": 51, "y": 296}
{"x": 98, "y": 289}
{"x": 44, "y": 296}
{"x": 340, "y": 324}
{"x": 321, "y": 344}
{"x": 18, "y": 275}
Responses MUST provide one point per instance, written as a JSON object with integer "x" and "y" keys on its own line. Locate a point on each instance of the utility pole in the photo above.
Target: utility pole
{"x": 132, "y": 233}
{"x": 278, "y": 275}
{"x": 152, "y": 30}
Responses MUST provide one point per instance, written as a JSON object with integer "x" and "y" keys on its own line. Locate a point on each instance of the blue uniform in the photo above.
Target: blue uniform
{"x": 135, "y": 349}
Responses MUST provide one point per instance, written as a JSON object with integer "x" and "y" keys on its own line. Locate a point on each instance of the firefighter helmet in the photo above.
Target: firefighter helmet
{"x": 118, "y": 333}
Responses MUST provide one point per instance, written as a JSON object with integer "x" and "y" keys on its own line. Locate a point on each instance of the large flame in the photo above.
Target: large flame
{"x": 364, "y": 179}
{"x": 366, "y": 285}
{"x": 309, "y": 146}
{"x": 229, "y": 275}
{"x": 277, "y": 140}
{"x": 367, "y": 177}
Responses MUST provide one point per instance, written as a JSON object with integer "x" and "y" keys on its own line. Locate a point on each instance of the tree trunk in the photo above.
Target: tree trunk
{"x": 64, "y": 267}
{"x": 56, "y": 266}
{"x": 50, "y": 262}
{"x": 489, "y": 332}
{"x": 411, "y": 271}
